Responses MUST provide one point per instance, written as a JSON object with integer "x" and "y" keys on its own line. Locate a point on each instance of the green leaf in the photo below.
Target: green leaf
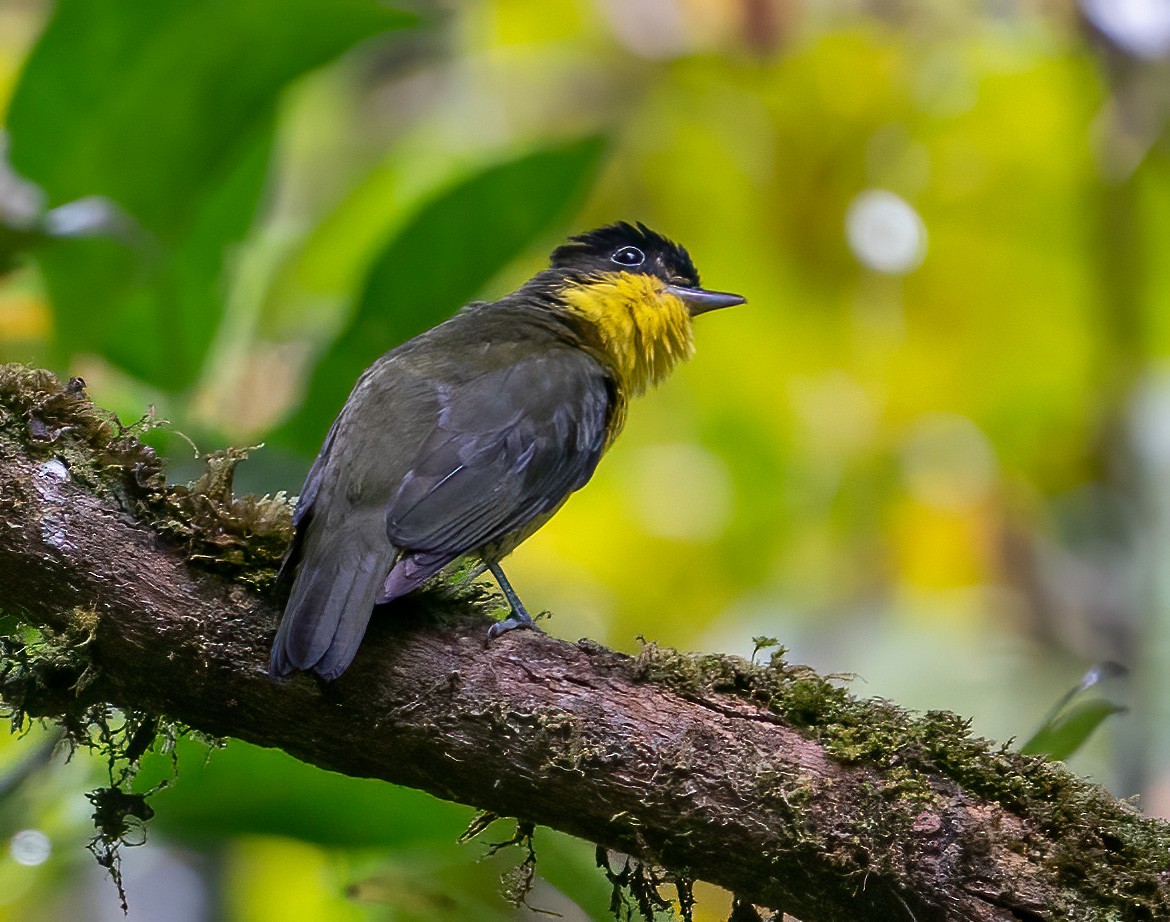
{"x": 1064, "y": 734}
{"x": 168, "y": 109}
{"x": 444, "y": 257}
{"x": 246, "y": 790}
{"x": 154, "y": 313}
{"x": 1073, "y": 718}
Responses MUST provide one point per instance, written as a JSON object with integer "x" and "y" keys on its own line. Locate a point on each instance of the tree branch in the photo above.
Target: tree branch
{"x": 767, "y": 780}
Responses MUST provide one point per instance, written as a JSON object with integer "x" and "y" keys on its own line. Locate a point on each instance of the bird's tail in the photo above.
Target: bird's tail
{"x": 330, "y": 604}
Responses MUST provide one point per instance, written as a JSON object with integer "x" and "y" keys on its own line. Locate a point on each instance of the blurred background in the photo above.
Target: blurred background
{"x": 932, "y": 452}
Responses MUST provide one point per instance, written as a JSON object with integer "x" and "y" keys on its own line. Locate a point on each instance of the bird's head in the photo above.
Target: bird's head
{"x": 634, "y": 249}
{"x": 638, "y": 292}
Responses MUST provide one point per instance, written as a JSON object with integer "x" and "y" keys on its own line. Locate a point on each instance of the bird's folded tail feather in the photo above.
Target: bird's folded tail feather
{"x": 329, "y": 608}
{"x": 410, "y": 571}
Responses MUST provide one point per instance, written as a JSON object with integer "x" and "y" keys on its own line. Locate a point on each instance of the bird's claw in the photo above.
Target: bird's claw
{"x": 511, "y": 623}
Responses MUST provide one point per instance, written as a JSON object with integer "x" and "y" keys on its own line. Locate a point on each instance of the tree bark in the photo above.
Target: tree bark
{"x": 767, "y": 780}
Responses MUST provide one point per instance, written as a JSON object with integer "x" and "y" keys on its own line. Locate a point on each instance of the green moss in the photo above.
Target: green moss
{"x": 45, "y": 674}
{"x": 47, "y": 419}
{"x": 566, "y": 744}
{"x": 1104, "y": 846}
{"x": 49, "y": 674}
{"x": 241, "y": 537}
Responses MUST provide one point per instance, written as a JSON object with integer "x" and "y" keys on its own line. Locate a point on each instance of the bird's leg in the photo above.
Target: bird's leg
{"x": 519, "y": 617}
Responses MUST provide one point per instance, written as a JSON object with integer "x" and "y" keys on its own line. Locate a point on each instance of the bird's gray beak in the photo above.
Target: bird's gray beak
{"x": 700, "y": 300}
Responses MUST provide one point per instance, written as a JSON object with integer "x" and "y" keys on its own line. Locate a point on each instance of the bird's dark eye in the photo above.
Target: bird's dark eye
{"x": 629, "y": 256}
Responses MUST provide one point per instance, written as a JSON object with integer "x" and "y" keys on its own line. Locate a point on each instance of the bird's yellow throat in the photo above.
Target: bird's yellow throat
{"x": 644, "y": 330}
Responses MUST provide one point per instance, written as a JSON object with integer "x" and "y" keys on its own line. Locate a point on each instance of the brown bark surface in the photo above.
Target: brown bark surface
{"x": 765, "y": 780}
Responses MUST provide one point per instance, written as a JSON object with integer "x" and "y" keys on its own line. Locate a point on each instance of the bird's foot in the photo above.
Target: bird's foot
{"x": 519, "y": 617}
{"x": 512, "y": 623}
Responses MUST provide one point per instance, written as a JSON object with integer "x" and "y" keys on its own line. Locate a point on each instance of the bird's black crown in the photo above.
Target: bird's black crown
{"x": 623, "y": 247}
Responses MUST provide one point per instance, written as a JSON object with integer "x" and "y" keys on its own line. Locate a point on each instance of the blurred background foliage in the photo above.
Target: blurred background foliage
{"x": 933, "y": 451}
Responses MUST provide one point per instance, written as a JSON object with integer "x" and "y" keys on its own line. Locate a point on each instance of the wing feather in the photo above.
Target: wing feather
{"x": 507, "y": 449}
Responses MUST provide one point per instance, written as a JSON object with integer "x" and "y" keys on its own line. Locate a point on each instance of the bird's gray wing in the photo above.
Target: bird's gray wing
{"x": 507, "y": 448}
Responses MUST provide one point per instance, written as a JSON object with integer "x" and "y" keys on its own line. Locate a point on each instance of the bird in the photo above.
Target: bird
{"x": 463, "y": 441}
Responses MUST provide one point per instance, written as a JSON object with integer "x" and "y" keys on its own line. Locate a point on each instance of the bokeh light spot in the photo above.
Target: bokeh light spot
{"x": 30, "y": 847}
{"x": 1150, "y": 416}
{"x": 885, "y": 233}
{"x": 1141, "y": 27}
{"x": 653, "y": 29}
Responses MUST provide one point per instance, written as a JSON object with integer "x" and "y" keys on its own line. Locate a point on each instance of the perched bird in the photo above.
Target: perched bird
{"x": 467, "y": 438}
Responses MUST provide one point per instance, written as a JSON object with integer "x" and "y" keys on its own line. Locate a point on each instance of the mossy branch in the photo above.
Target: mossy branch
{"x": 767, "y": 779}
